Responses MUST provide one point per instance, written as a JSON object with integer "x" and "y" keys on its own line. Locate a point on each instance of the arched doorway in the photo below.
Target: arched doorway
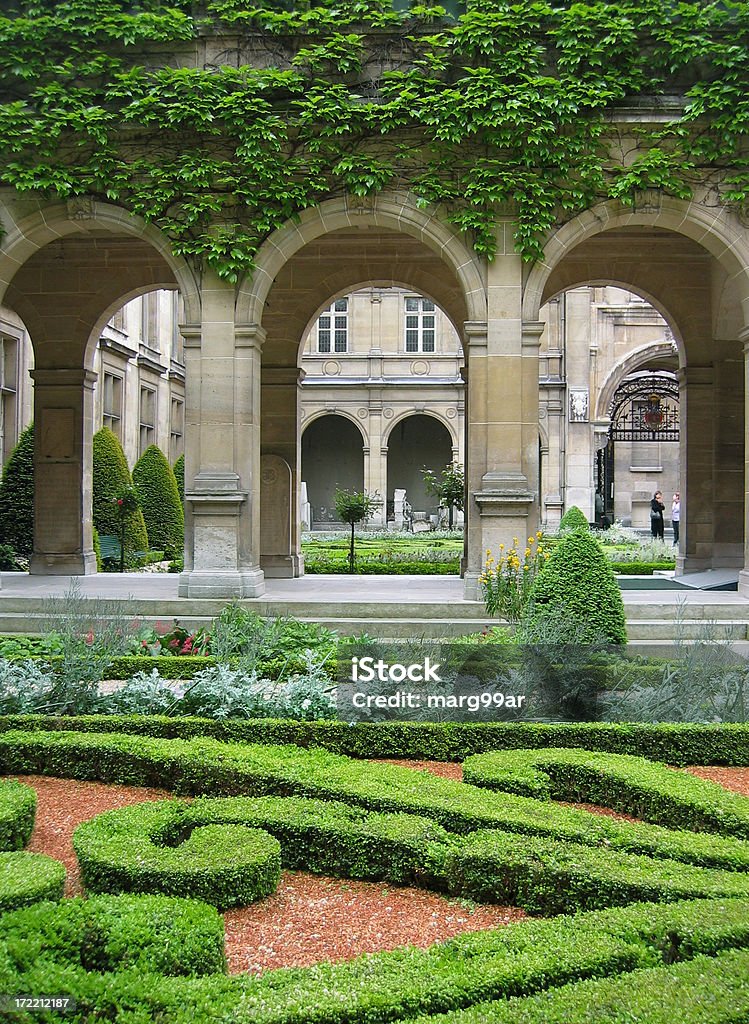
{"x": 332, "y": 458}
{"x": 417, "y": 442}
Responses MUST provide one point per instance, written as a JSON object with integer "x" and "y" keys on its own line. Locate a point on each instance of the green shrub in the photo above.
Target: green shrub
{"x": 111, "y": 477}
{"x": 97, "y": 548}
{"x": 628, "y": 784}
{"x": 573, "y": 519}
{"x": 17, "y": 496}
{"x": 17, "y": 811}
{"x": 149, "y": 934}
{"x": 133, "y": 847}
{"x": 640, "y": 568}
{"x": 376, "y": 567}
{"x": 673, "y": 743}
{"x": 546, "y": 876}
{"x": 179, "y": 476}
{"x": 160, "y": 501}
{"x": 578, "y": 583}
{"x": 226, "y": 865}
{"x": 204, "y": 766}
{"x": 27, "y": 878}
{"x": 707, "y": 990}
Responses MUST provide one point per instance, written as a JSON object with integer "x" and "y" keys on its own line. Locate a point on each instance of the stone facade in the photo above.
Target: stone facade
{"x": 65, "y": 270}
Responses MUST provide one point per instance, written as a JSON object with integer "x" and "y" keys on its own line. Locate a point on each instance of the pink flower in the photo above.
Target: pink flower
{"x": 90, "y": 637}
{"x": 187, "y": 646}
{"x": 120, "y": 501}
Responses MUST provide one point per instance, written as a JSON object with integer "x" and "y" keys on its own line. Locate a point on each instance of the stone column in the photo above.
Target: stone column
{"x": 696, "y": 459}
{"x": 502, "y": 452}
{"x": 222, "y": 435}
{"x": 744, "y": 574}
{"x": 728, "y": 418}
{"x": 280, "y": 434}
{"x": 63, "y": 432}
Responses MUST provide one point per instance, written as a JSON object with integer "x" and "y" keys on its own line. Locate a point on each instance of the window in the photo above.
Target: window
{"x": 332, "y": 328}
{"x": 149, "y": 320}
{"x": 178, "y": 348}
{"x": 176, "y": 430}
{"x": 420, "y": 325}
{"x": 8, "y": 396}
{"x": 111, "y": 403}
{"x": 147, "y": 418}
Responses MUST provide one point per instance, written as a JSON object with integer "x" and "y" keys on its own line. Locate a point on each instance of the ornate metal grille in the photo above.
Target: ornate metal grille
{"x": 646, "y": 409}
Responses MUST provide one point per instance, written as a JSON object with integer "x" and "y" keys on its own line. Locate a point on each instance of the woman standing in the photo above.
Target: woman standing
{"x": 656, "y": 515}
{"x": 676, "y": 516}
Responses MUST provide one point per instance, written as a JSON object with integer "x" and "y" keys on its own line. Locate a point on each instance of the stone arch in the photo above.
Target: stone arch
{"x": 336, "y": 460}
{"x": 716, "y": 230}
{"x": 392, "y": 211}
{"x": 442, "y": 420}
{"x": 28, "y": 234}
{"x": 633, "y": 361}
{"x": 344, "y": 414}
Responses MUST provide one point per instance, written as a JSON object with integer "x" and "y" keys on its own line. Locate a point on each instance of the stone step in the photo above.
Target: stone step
{"x": 688, "y": 629}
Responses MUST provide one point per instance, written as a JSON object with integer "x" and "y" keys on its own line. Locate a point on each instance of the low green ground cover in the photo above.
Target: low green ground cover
{"x": 436, "y": 553}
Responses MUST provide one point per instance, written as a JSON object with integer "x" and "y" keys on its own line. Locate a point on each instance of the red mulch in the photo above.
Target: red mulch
{"x": 736, "y": 779}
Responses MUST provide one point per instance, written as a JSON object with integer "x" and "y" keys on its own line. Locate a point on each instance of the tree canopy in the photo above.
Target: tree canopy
{"x": 218, "y": 121}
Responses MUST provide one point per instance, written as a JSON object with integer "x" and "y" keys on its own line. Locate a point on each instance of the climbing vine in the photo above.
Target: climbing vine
{"x": 220, "y": 120}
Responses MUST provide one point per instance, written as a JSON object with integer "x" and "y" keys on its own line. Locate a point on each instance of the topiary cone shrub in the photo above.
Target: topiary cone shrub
{"x": 160, "y": 503}
{"x": 111, "y": 479}
{"x": 578, "y": 582}
{"x": 573, "y": 519}
{"x": 17, "y": 496}
{"x": 179, "y": 476}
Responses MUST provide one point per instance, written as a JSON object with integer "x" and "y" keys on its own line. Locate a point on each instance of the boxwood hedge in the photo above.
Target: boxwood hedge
{"x": 525, "y": 958}
{"x": 17, "y": 811}
{"x": 629, "y": 784}
{"x": 672, "y": 743}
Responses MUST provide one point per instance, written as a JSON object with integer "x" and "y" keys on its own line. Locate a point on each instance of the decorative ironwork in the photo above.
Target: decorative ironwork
{"x": 646, "y": 408}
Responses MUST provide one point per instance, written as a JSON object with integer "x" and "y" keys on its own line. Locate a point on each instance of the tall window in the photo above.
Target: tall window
{"x": 176, "y": 429}
{"x": 149, "y": 320}
{"x": 332, "y": 328}
{"x": 147, "y": 417}
{"x": 8, "y": 395}
{"x": 111, "y": 404}
{"x": 420, "y": 325}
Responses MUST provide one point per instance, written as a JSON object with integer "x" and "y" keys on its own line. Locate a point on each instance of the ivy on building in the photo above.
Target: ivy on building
{"x": 218, "y": 121}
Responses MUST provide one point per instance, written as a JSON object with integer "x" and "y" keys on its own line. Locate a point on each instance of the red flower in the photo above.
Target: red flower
{"x": 120, "y": 501}
{"x": 187, "y": 646}
{"x": 90, "y": 637}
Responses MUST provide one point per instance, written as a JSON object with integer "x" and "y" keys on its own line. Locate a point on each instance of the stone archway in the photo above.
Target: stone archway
{"x": 63, "y": 269}
{"x": 417, "y": 441}
{"x": 332, "y": 457}
{"x": 692, "y": 263}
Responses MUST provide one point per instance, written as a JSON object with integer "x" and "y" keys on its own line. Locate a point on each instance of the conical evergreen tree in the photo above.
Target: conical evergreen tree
{"x": 111, "y": 477}
{"x": 578, "y": 581}
{"x": 179, "y": 476}
{"x": 17, "y": 496}
{"x": 160, "y": 502}
{"x": 573, "y": 519}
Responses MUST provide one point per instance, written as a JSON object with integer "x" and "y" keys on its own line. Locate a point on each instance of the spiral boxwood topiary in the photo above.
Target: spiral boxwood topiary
{"x": 17, "y": 496}
{"x": 160, "y": 501}
{"x": 578, "y": 582}
{"x": 573, "y": 519}
{"x": 111, "y": 479}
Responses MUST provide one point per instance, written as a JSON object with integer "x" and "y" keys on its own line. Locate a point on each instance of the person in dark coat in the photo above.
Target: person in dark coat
{"x": 656, "y": 515}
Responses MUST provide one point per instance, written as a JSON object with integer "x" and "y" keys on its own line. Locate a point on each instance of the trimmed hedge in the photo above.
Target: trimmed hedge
{"x": 707, "y": 990}
{"x": 160, "y": 502}
{"x": 205, "y": 766}
{"x": 126, "y": 850}
{"x": 518, "y": 960}
{"x": 179, "y": 476}
{"x": 17, "y": 811}
{"x": 375, "y": 567}
{"x": 629, "y": 784}
{"x": 674, "y": 743}
{"x": 639, "y": 568}
{"x": 17, "y": 496}
{"x": 119, "y": 849}
{"x": 544, "y": 876}
{"x": 27, "y": 878}
{"x": 151, "y": 934}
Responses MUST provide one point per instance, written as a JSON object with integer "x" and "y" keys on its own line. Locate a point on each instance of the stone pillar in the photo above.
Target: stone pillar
{"x": 222, "y": 451}
{"x": 502, "y": 452}
{"x": 63, "y": 432}
{"x": 280, "y": 436}
{"x": 376, "y": 460}
{"x": 728, "y": 418}
{"x": 744, "y": 574}
{"x": 696, "y": 459}
{"x": 578, "y": 482}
